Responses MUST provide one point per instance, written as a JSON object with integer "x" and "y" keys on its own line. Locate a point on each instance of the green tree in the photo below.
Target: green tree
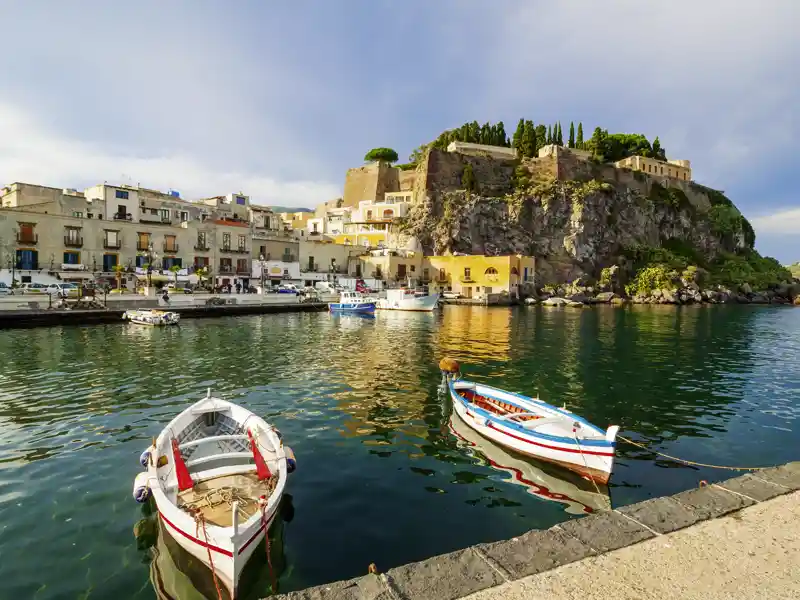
{"x": 541, "y": 136}
{"x": 571, "y": 134}
{"x": 658, "y": 151}
{"x": 118, "y": 271}
{"x": 174, "y": 270}
{"x": 468, "y": 178}
{"x": 579, "y": 140}
{"x": 500, "y": 135}
{"x": 417, "y": 154}
{"x": 559, "y": 136}
{"x": 549, "y": 135}
{"x": 485, "y": 134}
{"x": 381, "y": 154}
{"x": 517, "y": 139}
{"x": 474, "y": 133}
{"x": 528, "y": 144}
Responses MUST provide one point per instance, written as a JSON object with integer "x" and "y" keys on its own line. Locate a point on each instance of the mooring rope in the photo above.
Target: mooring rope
{"x": 690, "y": 462}
{"x": 201, "y": 522}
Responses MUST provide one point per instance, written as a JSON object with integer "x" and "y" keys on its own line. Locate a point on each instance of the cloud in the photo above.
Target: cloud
{"x": 784, "y": 222}
{"x": 35, "y": 155}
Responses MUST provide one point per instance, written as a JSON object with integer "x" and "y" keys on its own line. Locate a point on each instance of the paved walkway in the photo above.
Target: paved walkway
{"x": 751, "y": 554}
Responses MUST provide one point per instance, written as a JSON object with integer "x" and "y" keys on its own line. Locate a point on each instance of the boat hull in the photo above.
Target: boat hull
{"x": 593, "y": 460}
{"x": 417, "y": 303}
{"x": 356, "y": 307}
{"x": 152, "y": 318}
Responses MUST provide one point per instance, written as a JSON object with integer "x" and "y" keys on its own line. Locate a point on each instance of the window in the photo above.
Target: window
{"x": 72, "y": 236}
{"x": 413, "y": 268}
{"x": 170, "y": 245}
{"x": 426, "y": 273}
{"x": 491, "y": 274}
{"x": 310, "y": 263}
{"x": 109, "y": 261}
{"x": 242, "y": 266}
{"x": 225, "y": 265}
{"x": 669, "y": 172}
{"x": 369, "y": 215}
{"x": 112, "y": 239}
{"x": 27, "y": 260}
{"x": 467, "y": 273}
{"x": 165, "y": 214}
{"x": 88, "y": 215}
{"x": 314, "y": 228}
{"x": 388, "y": 214}
{"x": 242, "y": 242}
{"x": 201, "y": 240}
{"x": 121, "y": 194}
{"x": 72, "y": 258}
{"x": 143, "y": 242}
{"x": 77, "y": 214}
{"x": 262, "y": 251}
{"x": 684, "y": 175}
{"x": 241, "y": 200}
{"x": 141, "y": 261}
{"x": 226, "y": 241}
{"x": 184, "y": 216}
{"x": 649, "y": 168}
{"x": 121, "y": 209}
{"x": 200, "y": 262}
{"x": 153, "y": 211}
{"x": 662, "y": 170}
{"x": 172, "y": 261}
{"x": 442, "y": 275}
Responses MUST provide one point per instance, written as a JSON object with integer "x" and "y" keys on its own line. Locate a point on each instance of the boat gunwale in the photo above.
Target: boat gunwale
{"x": 600, "y": 443}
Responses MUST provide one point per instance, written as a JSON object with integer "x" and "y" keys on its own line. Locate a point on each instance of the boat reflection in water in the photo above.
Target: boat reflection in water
{"x": 177, "y": 575}
{"x": 548, "y": 482}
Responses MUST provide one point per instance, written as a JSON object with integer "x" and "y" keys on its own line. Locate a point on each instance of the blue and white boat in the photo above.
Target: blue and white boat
{"x": 352, "y": 302}
{"x": 532, "y": 427}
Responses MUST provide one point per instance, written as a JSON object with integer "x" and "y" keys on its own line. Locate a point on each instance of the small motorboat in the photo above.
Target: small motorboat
{"x": 532, "y": 427}
{"x": 353, "y": 302}
{"x": 546, "y": 481}
{"x": 155, "y": 318}
{"x": 408, "y": 299}
{"x": 217, "y": 473}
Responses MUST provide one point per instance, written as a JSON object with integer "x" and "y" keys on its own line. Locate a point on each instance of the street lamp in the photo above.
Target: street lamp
{"x": 261, "y": 264}
{"x": 150, "y": 257}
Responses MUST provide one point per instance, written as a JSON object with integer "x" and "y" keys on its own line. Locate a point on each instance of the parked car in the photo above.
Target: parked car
{"x": 172, "y": 288}
{"x": 63, "y": 290}
{"x": 31, "y": 289}
{"x": 287, "y": 288}
{"x": 450, "y": 295}
{"x": 5, "y": 290}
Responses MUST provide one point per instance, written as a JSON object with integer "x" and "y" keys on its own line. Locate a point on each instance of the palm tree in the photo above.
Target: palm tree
{"x": 174, "y": 269}
{"x": 201, "y": 272}
{"x": 119, "y": 270}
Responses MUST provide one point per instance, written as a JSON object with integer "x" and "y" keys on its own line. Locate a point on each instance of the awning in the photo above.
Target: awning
{"x": 154, "y": 277}
{"x": 72, "y": 276}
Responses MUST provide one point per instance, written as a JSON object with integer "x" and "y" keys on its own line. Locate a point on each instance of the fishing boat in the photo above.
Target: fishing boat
{"x": 155, "y": 318}
{"x": 353, "y": 302}
{"x": 545, "y": 481}
{"x": 408, "y": 299}
{"x": 217, "y": 473}
{"x": 532, "y": 427}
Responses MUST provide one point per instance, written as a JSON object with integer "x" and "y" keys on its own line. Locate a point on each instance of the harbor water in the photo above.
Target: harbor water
{"x": 382, "y": 477}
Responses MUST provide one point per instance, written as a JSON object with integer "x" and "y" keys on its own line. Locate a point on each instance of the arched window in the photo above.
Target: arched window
{"x": 515, "y": 271}
{"x": 491, "y": 274}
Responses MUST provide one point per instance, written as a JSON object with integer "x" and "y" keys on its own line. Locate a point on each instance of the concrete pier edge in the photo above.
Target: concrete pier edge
{"x": 464, "y": 572}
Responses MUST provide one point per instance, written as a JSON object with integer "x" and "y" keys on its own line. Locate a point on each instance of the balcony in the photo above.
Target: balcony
{"x": 201, "y": 247}
{"x": 466, "y": 279}
{"x": 170, "y": 247}
{"x": 112, "y": 244}
{"x": 237, "y": 250}
{"x": 226, "y": 268}
{"x": 27, "y": 238}
{"x": 122, "y": 217}
{"x": 242, "y": 269}
{"x": 143, "y": 245}
{"x": 288, "y": 258}
{"x": 73, "y": 241}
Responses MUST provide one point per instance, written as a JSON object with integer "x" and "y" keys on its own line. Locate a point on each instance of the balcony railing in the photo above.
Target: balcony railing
{"x": 112, "y": 244}
{"x": 173, "y": 247}
{"x": 201, "y": 247}
{"x": 72, "y": 241}
{"x": 288, "y": 258}
{"x": 226, "y": 268}
{"x": 123, "y": 217}
{"x": 27, "y": 238}
{"x": 143, "y": 245}
{"x": 466, "y": 279}
{"x": 242, "y": 269}
{"x": 236, "y": 250}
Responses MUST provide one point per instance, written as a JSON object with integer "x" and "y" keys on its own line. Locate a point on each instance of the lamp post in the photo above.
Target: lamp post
{"x": 261, "y": 264}
{"x": 151, "y": 256}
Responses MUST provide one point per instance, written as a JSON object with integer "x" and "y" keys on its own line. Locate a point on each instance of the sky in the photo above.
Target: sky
{"x": 278, "y": 99}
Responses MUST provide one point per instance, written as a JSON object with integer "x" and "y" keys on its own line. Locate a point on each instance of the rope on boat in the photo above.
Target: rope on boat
{"x": 263, "y": 502}
{"x": 200, "y": 521}
{"x": 575, "y": 435}
{"x": 689, "y": 462}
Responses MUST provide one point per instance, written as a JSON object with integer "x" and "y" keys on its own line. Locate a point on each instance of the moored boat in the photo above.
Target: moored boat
{"x": 546, "y": 481}
{"x": 408, "y": 299}
{"x": 217, "y": 473}
{"x": 350, "y": 301}
{"x": 532, "y": 427}
{"x": 152, "y": 317}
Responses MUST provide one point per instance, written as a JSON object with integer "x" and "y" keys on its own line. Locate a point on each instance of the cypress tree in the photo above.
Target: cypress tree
{"x": 528, "y": 145}
{"x": 468, "y": 178}
{"x": 474, "y": 132}
{"x": 541, "y": 136}
{"x": 517, "y": 139}
{"x": 549, "y": 135}
{"x": 559, "y": 137}
{"x": 571, "y": 134}
{"x": 483, "y": 137}
{"x": 500, "y": 135}
{"x": 579, "y": 141}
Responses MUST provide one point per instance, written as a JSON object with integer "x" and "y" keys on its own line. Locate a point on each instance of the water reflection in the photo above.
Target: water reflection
{"x": 380, "y": 476}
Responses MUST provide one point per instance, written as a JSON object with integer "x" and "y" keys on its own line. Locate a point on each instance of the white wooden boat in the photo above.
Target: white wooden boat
{"x": 217, "y": 473}
{"x": 532, "y": 427}
{"x": 155, "y": 318}
{"x": 408, "y": 299}
{"x": 352, "y": 302}
{"x": 545, "y": 481}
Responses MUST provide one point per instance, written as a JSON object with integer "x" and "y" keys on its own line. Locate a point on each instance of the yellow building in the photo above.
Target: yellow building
{"x": 479, "y": 277}
{"x": 678, "y": 169}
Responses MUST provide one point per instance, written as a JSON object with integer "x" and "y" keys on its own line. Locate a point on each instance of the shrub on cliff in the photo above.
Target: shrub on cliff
{"x": 382, "y": 154}
{"x": 468, "y": 178}
{"x": 655, "y": 277}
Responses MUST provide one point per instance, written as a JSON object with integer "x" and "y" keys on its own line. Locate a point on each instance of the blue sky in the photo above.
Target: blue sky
{"x": 278, "y": 99}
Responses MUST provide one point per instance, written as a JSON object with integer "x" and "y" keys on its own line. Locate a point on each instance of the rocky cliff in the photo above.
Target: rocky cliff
{"x": 576, "y": 217}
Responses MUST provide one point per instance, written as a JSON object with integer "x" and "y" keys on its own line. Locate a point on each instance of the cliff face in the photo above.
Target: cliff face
{"x": 573, "y": 216}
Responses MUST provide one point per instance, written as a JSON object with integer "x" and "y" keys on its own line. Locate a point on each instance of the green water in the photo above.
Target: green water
{"x": 380, "y": 476}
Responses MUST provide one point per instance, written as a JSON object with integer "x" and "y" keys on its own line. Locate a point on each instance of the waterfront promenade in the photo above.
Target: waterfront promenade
{"x": 738, "y": 539}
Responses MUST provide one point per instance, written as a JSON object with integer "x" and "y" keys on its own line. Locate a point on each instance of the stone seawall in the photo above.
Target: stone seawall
{"x": 464, "y": 572}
